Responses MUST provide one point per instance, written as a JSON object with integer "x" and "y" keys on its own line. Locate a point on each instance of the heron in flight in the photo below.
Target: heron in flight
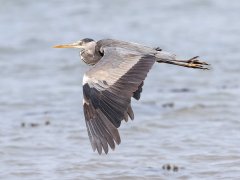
{"x": 118, "y": 70}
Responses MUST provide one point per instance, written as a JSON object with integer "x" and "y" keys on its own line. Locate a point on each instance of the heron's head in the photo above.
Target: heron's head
{"x": 85, "y": 43}
{"x": 87, "y": 49}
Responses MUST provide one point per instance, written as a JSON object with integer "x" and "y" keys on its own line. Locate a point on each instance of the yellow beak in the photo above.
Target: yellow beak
{"x": 73, "y": 45}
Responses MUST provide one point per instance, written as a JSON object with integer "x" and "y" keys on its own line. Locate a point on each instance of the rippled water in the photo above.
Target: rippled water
{"x": 189, "y": 118}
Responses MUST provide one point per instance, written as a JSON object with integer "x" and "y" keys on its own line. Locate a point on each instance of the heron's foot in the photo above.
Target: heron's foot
{"x": 192, "y": 63}
{"x": 158, "y": 49}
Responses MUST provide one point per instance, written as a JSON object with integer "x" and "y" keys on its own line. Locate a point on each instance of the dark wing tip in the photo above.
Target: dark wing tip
{"x": 130, "y": 112}
{"x": 137, "y": 93}
{"x": 102, "y": 133}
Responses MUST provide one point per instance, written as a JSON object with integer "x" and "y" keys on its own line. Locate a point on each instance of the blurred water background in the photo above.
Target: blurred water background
{"x": 186, "y": 117}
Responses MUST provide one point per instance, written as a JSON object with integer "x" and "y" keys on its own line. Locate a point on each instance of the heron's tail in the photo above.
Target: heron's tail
{"x": 165, "y": 57}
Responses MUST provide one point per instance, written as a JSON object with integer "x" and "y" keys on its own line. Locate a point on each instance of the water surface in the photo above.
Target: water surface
{"x": 199, "y": 131}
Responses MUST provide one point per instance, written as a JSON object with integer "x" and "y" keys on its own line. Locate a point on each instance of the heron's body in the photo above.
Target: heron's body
{"x": 95, "y": 51}
{"x": 117, "y": 74}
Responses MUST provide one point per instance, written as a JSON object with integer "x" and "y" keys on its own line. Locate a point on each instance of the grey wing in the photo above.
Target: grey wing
{"x": 108, "y": 88}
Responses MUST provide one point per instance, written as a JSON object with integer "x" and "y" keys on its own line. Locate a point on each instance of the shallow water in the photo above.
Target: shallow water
{"x": 198, "y": 131}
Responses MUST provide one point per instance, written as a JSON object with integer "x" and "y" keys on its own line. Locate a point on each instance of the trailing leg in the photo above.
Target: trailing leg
{"x": 190, "y": 63}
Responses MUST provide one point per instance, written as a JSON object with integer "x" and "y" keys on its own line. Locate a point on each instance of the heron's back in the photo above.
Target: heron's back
{"x": 135, "y": 47}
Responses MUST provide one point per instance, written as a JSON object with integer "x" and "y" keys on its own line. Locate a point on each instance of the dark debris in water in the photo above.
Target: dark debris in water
{"x": 168, "y": 105}
{"x": 177, "y": 90}
{"x": 34, "y": 124}
{"x": 181, "y": 90}
{"x": 23, "y": 124}
{"x": 47, "y": 123}
{"x": 235, "y": 86}
{"x": 170, "y": 167}
{"x": 46, "y": 120}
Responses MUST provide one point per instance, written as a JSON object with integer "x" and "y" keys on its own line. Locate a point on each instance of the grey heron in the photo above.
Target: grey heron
{"x": 117, "y": 74}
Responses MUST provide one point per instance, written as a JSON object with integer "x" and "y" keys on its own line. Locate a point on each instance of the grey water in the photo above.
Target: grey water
{"x": 186, "y": 117}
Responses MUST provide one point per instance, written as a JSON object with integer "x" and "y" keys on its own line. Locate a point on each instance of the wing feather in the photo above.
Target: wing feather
{"x": 108, "y": 88}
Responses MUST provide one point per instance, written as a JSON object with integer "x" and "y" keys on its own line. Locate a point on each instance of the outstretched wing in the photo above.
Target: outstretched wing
{"x": 107, "y": 88}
